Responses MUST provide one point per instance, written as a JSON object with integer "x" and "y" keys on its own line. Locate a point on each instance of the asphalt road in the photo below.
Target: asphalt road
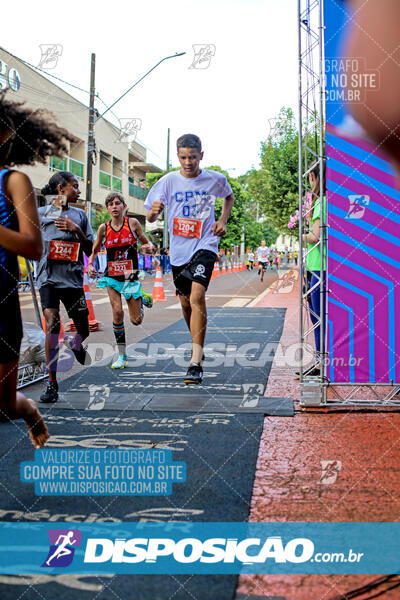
{"x": 231, "y": 289}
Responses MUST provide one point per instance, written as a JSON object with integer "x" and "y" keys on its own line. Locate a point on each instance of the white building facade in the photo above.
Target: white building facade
{"x": 120, "y": 166}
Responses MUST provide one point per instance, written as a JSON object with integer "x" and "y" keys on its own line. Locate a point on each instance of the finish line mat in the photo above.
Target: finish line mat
{"x": 220, "y": 452}
{"x": 240, "y": 348}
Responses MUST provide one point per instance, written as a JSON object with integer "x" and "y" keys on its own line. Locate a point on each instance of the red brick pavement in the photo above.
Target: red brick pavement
{"x": 365, "y": 448}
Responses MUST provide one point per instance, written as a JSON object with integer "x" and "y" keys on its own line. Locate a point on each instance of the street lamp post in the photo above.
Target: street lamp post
{"x": 93, "y": 120}
{"x": 91, "y": 147}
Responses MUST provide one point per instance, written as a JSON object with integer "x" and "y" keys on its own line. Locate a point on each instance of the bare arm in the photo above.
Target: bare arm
{"x": 137, "y": 228}
{"x": 101, "y": 232}
{"x": 219, "y": 227}
{"x": 227, "y": 207}
{"x": 87, "y": 244}
{"x": 26, "y": 242}
{"x": 313, "y": 236}
{"x": 66, "y": 224}
{"x": 155, "y": 211}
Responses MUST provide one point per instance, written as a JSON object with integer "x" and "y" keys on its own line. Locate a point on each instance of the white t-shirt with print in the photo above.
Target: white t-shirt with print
{"x": 262, "y": 253}
{"x": 193, "y": 199}
{"x": 250, "y": 256}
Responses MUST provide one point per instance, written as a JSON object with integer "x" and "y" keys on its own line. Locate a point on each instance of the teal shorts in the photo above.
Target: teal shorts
{"x": 129, "y": 289}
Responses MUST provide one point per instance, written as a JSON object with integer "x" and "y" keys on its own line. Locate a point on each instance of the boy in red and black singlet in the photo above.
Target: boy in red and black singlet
{"x": 121, "y": 236}
{"x": 122, "y": 252}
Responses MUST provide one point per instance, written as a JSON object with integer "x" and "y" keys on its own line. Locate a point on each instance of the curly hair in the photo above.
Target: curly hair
{"x": 29, "y": 136}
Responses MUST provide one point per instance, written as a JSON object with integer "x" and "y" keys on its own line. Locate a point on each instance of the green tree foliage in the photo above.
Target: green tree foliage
{"x": 275, "y": 185}
{"x": 152, "y": 178}
{"x": 100, "y": 217}
{"x": 258, "y": 232}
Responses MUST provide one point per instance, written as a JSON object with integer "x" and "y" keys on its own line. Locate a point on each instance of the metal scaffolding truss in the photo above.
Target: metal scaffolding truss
{"x": 318, "y": 391}
{"x": 311, "y": 151}
{"x": 31, "y": 373}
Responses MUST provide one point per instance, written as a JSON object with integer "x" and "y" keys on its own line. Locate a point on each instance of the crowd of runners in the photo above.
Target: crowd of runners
{"x": 269, "y": 258}
{"x": 189, "y": 195}
{"x": 58, "y": 236}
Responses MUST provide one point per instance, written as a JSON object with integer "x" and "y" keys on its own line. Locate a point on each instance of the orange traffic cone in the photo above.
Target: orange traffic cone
{"x": 94, "y": 325}
{"x": 235, "y": 266}
{"x": 61, "y": 334}
{"x": 158, "y": 289}
{"x": 215, "y": 272}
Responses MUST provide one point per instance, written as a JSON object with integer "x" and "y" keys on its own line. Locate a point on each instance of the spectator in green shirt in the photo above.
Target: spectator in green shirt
{"x": 313, "y": 260}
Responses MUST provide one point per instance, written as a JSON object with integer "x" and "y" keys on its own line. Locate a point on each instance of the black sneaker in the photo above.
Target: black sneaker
{"x": 50, "y": 394}
{"x": 81, "y": 354}
{"x": 194, "y": 374}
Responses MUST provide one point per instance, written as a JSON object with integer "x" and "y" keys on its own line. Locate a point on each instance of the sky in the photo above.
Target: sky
{"x": 251, "y": 75}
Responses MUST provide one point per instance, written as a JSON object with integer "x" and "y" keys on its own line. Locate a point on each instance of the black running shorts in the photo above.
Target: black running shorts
{"x": 199, "y": 269}
{"x": 10, "y": 329}
{"x": 73, "y": 299}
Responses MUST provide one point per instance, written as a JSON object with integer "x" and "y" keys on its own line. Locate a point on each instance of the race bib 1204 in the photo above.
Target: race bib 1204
{"x": 190, "y": 228}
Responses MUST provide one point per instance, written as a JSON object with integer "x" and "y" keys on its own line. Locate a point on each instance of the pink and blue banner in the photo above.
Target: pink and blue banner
{"x": 363, "y": 216}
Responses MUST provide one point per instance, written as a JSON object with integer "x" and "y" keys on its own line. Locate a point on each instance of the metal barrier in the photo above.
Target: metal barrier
{"x": 31, "y": 373}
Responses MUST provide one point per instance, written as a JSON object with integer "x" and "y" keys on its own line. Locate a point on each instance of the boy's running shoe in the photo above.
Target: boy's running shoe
{"x": 121, "y": 362}
{"x": 147, "y": 300}
{"x": 50, "y": 394}
{"x": 81, "y": 354}
{"x": 194, "y": 374}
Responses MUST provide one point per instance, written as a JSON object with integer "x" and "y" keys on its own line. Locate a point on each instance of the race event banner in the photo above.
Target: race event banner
{"x": 199, "y": 548}
{"x": 80, "y": 545}
{"x": 363, "y": 217}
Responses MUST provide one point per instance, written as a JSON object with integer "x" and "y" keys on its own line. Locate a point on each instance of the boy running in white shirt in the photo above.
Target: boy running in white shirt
{"x": 189, "y": 195}
{"x": 262, "y": 255}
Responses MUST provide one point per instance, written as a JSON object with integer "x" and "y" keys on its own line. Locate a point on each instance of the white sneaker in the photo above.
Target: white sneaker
{"x": 121, "y": 362}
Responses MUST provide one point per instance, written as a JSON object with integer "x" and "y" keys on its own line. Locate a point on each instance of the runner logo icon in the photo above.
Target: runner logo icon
{"x": 357, "y": 206}
{"x": 199, "y": 272}
{"x": 61, "y": 551}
